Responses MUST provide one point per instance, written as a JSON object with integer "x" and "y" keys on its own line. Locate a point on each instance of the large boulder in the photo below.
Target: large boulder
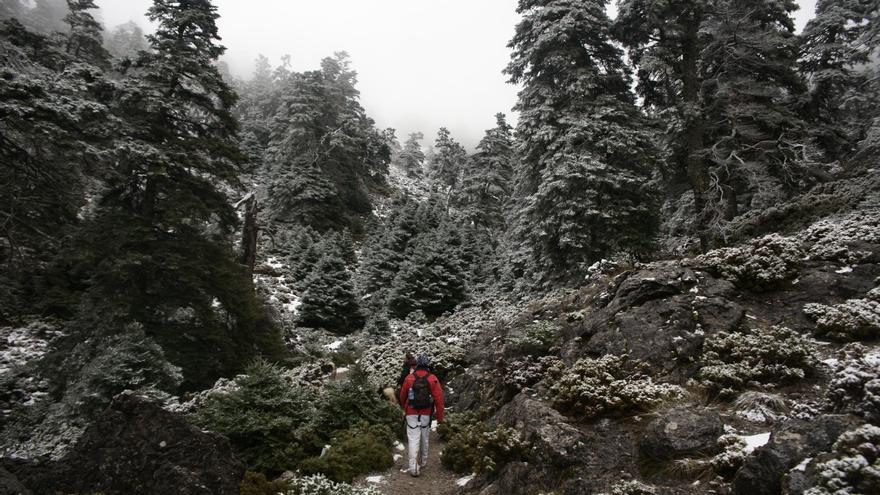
{"x": 795, "y": 441}
{"x": 136, "y": 447}
{"x": 555, "y": 442}
{"x": 680, "y": 432}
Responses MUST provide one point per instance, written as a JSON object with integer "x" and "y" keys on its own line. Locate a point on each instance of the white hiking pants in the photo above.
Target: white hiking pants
{"x": 418, "y": 430}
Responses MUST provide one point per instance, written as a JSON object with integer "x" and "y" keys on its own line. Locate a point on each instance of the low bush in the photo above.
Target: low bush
{"x": 534, "y": 340}
{"x": 609, "y": 385}
{"x": 257, "y": 484}
{"x": 854, "y": 319}
{"x": 768, "y": 357}
{"x": 855, "y": 382}
{"x": 360, "y": 450}
{"x": 473, "y": 446}
{"x": 525, "y": 372}
{"x": 853, "y": 466}
{"x": 265, "y": 418}
{"x": 347, "y": 402}
{"x": 734, "y": 451}
{"x": 632, "y": 487}
{"x": 382, "y": 362}
{"x": 320, "y": 485}
{"x": 760, "y": 265}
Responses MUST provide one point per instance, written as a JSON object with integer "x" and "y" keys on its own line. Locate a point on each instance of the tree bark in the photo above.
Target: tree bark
{"x": 249, "y": 233}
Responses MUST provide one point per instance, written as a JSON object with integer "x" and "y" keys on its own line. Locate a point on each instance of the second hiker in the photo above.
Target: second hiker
{"x": 422, "y": 398}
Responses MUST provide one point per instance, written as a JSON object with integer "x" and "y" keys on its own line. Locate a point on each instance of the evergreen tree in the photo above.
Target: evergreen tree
{"x": 384, "y": 250}
{"x": 167, "y": 262}
{"x": 833, "y": 51}
{"x": 754, "y": 137}
{"x": 487, "y": 181}
{"x": 583, "y": 180}
{"x": 126, "y": 41}
{"x": 431, "y": 278}
{"x": 448, "y": 160}
{"x": 85, "y": 39}
{"x": 322, "y": 139}
{"x": 411, "y": 158}
{"x": 329, "y": 300}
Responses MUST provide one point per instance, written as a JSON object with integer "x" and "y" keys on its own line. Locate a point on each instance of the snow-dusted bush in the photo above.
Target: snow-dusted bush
{"x": 359, "y": 450}
{"x": 733, "y": 361}
{"x": 762, "y": 264}
{"x": 853, "y": 466}
{"x": 383, "y": 362}
{"x": 321, "y": 485}
{"x": 264, "y": 417}
{"x": 631, "y": 487}
{"x": 855, "y": 382}
{"x": 472, "y": 446}
{"x": 609, "y": 385}
{"x": 854, "y": 319}
{"x": 536, "y": 339}
{"x": 527, "y": 371}
{"x": 831, "y": 239}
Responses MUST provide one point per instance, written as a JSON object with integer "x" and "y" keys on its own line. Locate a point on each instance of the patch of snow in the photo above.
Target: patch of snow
{"x": 464, "y": 481}
{"x": 803, "y": 465}
{"x": 399, "y": 446}
{"x": 375, "y": 479}
{"x": 846, "y": 269}
{"x": 274, "y": 263}
{"x": 830, "y": 362}
{"x": 293, "y": 306}
{"x": 341, "y": 370}
{"x": 695, "y": 290}
{"x": 755, "y": 441}
{"x": 397, "y": 457}
{"x": 434, "y": 425}
{"x": 334, "y": 345}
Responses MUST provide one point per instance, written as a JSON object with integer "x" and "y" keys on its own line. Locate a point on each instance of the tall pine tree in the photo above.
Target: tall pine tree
{"x": 586, "y": 159}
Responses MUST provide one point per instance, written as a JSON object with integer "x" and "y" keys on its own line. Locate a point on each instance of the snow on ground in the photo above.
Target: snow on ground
{"x": 755, "y": 441}
{"x": 375, "y": 479}
{"x": 464, "y": 481}
{"x": 399, "y": 446}
{"x": 333, "y": 346}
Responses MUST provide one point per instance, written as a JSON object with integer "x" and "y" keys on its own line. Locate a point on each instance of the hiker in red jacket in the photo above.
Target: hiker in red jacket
{"x": 422, "y": 399}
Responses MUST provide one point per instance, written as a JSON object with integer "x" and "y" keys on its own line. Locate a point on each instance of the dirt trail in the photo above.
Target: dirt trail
{"x": 434, "y": 479}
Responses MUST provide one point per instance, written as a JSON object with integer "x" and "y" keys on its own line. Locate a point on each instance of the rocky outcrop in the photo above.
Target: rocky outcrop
{"x": 762, "y": 473}
{"x": 136, "y": 447}
{"x": 679, "y": 432}
{"x": 660, "y": 315}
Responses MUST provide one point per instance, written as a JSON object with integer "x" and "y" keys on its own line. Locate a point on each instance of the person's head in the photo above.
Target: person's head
{"x": 409, "y": 359}
{"x": 423, "y": 361}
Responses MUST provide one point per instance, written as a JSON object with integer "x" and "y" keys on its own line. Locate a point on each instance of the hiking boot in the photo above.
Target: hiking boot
{"x": 414, "y": 474}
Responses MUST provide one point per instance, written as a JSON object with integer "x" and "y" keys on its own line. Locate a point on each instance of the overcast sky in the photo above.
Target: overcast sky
{"x": 421, "y": 64}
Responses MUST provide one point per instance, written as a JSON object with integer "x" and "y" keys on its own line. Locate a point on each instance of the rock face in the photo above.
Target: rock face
{"x": 680, "y": 432}
{"x": 762, "y": 473}
{"x": 136, "y": 447}
{"x": 556, "y": 442}
{"x": 660, "y": 315}
{"x": 9, "y": 484}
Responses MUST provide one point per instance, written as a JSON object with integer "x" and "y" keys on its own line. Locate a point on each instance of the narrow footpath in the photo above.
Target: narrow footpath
{"x": 433, "y": 480}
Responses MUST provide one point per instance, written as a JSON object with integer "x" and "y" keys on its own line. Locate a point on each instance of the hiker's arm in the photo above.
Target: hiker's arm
{"x": 437, "y": 393}
{"x": 404, "y": 390}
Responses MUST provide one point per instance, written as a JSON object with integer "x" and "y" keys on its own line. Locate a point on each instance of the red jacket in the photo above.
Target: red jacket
{"x": 436, "y": 392}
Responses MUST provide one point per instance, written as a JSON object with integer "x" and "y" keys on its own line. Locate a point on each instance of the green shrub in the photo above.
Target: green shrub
{"x": 609, "y": 385}
{"x": 350, "y": 401}
{"x": 257, "y": 484}
{"x": 473, "y": 446}
{"x": 760, "y": 265}
{"x": 265, "y": 418}
{"x": 853, "y": 319}
{"x": 733, "y": 361}
{"x": 535, "y": 340}
{"x": 363, "y": 449}
{"x": 852, "y": 466}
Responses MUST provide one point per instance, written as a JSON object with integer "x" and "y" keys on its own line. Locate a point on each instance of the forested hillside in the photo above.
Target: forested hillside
{"x": 660, "y": 275}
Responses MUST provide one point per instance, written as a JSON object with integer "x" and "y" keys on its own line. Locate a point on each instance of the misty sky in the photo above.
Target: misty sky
{"x": 421, "y": 64}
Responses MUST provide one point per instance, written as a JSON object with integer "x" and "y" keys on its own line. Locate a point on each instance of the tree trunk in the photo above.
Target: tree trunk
{"x": 249, "y": 233}
{"x": 694, "y": 165}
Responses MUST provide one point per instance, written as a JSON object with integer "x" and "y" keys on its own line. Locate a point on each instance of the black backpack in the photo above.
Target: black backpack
{"x": 420, "y": 393}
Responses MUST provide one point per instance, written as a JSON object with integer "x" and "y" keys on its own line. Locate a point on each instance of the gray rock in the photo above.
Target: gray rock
{"x": 9, "y": 484}
{"x": 136, "y": 447}
{"x": 555, "y": 441}
{"x": 680, "y": 432}
{"x": 796, "y": 440}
